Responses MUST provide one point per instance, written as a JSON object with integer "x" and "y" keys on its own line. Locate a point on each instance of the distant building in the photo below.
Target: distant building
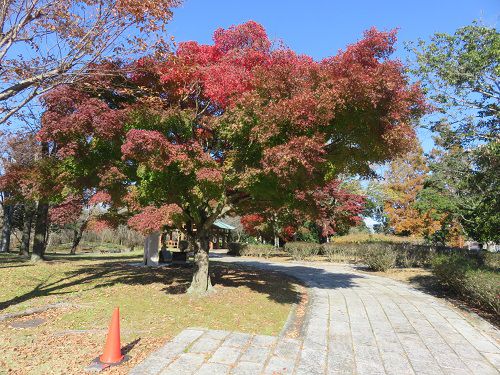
{"x": 172, "y": 239}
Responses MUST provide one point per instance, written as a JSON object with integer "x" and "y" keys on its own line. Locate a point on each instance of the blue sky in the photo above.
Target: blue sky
{"x": 320, "y": 28}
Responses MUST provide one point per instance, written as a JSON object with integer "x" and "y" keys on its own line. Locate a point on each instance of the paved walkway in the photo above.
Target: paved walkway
{"x": 355, "y": 324}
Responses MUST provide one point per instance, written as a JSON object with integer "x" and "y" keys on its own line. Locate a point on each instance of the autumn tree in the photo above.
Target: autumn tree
{"x": 407, "y": 207}
{"x": 44, "y": 43}
{"x": 403, "y": 182}
{"x": 17, "y": 152}
{"x": 232, "y": 126}
{"x": 78, "y": 211}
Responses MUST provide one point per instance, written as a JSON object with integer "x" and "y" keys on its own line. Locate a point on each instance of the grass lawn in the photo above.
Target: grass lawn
{"x": 152, "y": 303}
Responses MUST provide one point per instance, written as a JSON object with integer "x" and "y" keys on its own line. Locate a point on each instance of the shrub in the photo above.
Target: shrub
{"x": 483, "y": 288}
{"x": 380, "y": 257}
{"x": 355, "y": 248}
{"x": 243, "y": 249}
{"x": 491, "y": 260}
{"x": 467, "y": 278}
{"x": 450, "y": 270}
{"x": 412, "y": 255}
{"x": 302, "y": 250}
{"x": 234, "y": 248}
{"x": 343, "y": 252}
{"x": 259, "y": 250}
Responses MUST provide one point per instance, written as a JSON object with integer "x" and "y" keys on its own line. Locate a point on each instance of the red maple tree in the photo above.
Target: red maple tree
{"x": 233, "y": 126}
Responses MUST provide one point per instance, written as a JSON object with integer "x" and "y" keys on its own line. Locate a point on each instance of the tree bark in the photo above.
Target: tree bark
{"x": 41, "y": 223}
{"x": 24, "y": 249}
{"x": 77, "y": 237}
{"x": 201, "y": 283}
{"x": 6, "y": 229}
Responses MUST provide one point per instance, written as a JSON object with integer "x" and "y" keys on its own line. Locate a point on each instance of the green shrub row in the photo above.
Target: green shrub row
{"x": 490, "y": 260}
{"x": 380, "y": 258}
{"x": 302, "y": 250}
{"x": 378, "y": 255}
{"x": 394, "y": 254}
{"x": 243, "y": 249}
{"x": 478, "y": 284}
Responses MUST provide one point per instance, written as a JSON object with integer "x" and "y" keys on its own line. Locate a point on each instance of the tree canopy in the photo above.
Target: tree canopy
{"x": 460, "y": 73}
{"x": 235, "y": 126}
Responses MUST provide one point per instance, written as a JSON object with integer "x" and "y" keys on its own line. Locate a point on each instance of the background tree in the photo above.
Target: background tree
{"x": 231, "y": 126}
{"x": 76, "y": 212}
{"x": 403, "y": 182}
{"x": 44, "y": 43}
{"x": 332, "y": 209}
{"x": 460, "y": 73}
{"x": 29, "y": 181}
{"x": 16, "y": 153}
{"x": 464, "y": 187}
{"x": 376, "y": 197}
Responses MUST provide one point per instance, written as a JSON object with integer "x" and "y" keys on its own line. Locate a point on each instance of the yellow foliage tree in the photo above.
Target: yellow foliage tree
{"x": 404, "y": 180}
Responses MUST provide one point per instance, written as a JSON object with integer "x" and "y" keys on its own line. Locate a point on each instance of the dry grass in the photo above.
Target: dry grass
{"x": 152, "y": 302}
{"x": 376, "y": 237}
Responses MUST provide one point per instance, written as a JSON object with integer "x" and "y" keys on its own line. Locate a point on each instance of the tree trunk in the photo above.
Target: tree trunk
{"x": 24, "y": 249}
{"x": 201, "y": 283}
{"x": 6, "y": 229}
{"x": 41, "y": 223}
{"x": 77, "y": 237}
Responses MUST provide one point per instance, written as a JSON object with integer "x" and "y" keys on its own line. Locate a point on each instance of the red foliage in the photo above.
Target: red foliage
{"x": 268, "y": 127}
{"x": 225, "y": 69}
{"x": 98, "y": 225}
{"x": 110, "y": 175}
{"x": 100, "y": 197}
{"x": 249, "y": 35}
{"x": 288, "y": 232}
{"x": 148, "y": 146}
{"x": 336, "y": 207}
{"x": 299, "y": 153}
{"x": 209, "y": 174}
{"x": 153, "y": 219}
{"x": 250, "y": 223}
{"x": 66, "y": 212}
{"x": 74, "y": 117}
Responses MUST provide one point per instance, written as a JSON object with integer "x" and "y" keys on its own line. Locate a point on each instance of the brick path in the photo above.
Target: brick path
{"x": 355, "y": 324}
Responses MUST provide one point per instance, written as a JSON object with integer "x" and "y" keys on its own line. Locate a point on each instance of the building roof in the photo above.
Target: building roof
{"x": 222, "y": 225}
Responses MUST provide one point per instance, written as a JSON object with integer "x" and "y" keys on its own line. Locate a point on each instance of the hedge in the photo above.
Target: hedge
{"x": 302, "y": 250}
{"x": 380, "y": 257}
{"x": 406, "y": 254}
{"x": 469, "y": 278}
{"x": 243, "y": 249}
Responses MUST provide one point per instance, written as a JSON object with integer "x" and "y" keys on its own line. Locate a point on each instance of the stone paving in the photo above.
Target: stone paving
{"x": 355, "y": 324}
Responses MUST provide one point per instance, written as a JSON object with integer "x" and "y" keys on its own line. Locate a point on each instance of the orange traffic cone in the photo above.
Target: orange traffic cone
{"x": 112, "y": 351}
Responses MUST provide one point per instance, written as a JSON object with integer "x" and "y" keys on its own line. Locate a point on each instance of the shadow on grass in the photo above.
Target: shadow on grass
{"x": 12, "y": 259}
{"x": 176, "y": 280}
{"x": 91, "y": 256}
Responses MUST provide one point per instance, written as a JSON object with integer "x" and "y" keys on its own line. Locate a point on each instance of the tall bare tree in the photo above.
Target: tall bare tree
{"x": 44, "y": 43}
